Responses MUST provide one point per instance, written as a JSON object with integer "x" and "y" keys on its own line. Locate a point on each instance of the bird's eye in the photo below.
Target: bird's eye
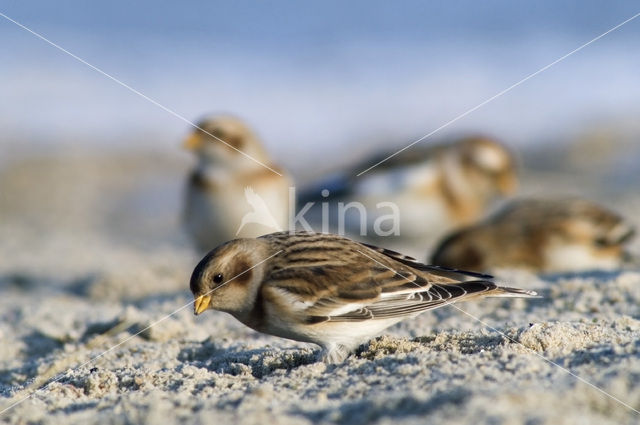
{"x": 217, "y": 278}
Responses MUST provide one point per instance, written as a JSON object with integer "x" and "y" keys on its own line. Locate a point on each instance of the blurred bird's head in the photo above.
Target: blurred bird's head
{"x": 225, "y": 140}
{"x": 489, "y": 164}
{"x": 228, "y": 277}
{"x": 587, "y": 222}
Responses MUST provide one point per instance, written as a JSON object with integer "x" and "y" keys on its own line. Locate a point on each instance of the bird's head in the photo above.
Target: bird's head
{"x": 490, "y": 164}
{"x": 228, "y": 278}
{"x": 222, "y": 140}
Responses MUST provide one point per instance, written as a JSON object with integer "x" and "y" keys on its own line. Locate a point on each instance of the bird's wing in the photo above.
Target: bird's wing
{"x": 418, "y": 301}
{"x": 384, "y": 161}
{"x": 454, "y": 274}
{"x": 329, "y": 278}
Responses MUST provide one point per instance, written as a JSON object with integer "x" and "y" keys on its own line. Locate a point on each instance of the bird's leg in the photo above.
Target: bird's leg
{"x": 334, "y": 353}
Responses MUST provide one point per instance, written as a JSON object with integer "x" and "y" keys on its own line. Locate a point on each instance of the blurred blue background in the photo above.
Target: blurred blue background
{"x": 321, "y": 82}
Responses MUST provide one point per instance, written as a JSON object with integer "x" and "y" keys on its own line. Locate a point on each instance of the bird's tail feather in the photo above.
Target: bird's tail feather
{"x": 469, "y": 290}
{"x": 505, "y": 291}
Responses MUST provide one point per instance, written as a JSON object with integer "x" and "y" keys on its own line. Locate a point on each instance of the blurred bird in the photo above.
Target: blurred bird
{"x": 436, "y": 188}
{"x": 326, "y": 289}
{"x": 233, "y": 176}
{"x": 540, "y": 235}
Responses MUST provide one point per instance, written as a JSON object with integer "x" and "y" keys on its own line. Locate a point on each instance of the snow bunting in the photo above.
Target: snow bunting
{"x": 327, "y": 289}
{"x": 541, "y": 235}
{"x": 435, "y": 188}
{"x": 234, "y": 189}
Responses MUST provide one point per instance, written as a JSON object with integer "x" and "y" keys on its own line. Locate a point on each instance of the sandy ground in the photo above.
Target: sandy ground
{"x": 92, "y": 262}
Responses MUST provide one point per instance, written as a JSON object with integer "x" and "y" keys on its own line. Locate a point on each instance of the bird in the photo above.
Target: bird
{"x": 434, "y": 189}
{"x": 327, "y": 289}
{"x": 541, "y": 235}
{"x": 233, "y": 177}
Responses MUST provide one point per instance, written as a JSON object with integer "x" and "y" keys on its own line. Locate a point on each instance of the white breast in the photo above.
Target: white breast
{"x": 568, "y": 257}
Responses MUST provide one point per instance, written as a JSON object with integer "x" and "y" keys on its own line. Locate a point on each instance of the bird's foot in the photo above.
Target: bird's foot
{"x": 334, "y": 354}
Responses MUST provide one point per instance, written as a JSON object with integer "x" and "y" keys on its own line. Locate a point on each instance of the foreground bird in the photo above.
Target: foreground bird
{"x": 235, "y": 189}
{"x": 327, "y": 289}
{"x": 436, "y": 188}
{"x": 561, "y": 235}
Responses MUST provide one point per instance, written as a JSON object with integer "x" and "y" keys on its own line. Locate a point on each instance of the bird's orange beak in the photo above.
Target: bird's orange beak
{"x": 193, "y": 142}
{"x": 201, "y": 303}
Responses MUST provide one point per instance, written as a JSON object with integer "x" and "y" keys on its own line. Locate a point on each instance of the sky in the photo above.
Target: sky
{"x": 318, "y": 81}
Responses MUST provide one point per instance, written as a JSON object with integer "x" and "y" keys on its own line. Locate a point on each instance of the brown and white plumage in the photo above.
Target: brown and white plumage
{"x": 327, "y": 289}
{"x": 436, "y": 188}
{"x": 230, "y": 165}
{"x": 541, "y": 235}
